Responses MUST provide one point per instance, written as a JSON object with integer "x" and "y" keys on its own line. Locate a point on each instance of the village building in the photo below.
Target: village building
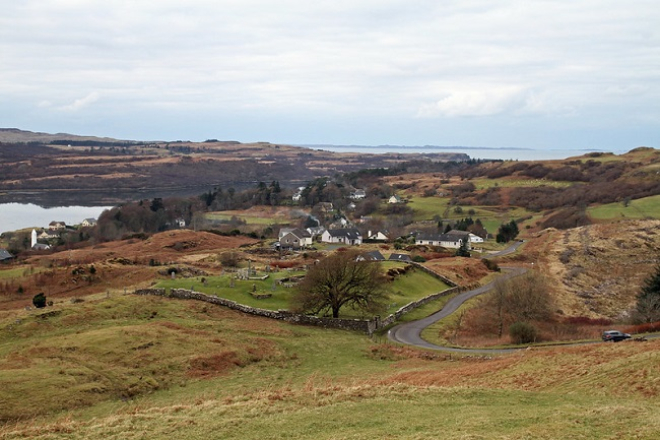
{"x": 450, "y": 241}
{"x": 56, "y": 226}
{"x": 377, "y": 236}
{"x": 358, "y": 194}
{"x": 347, "y": 236}
{"x": 400, "y": 257}
{"x": 394, "y": 199}
{"x": 88, "y": 222}
{"x": 5, "y": 255}
{"x": 371, "y": 256}
{"x": 472, "y": 238}
{"x": 295, "y": 238}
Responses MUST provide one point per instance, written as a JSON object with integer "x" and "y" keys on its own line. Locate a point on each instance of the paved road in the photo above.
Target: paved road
{"x": 410, "y": 333}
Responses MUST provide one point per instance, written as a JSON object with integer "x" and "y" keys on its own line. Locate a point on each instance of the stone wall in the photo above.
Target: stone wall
{"x": 361, "y": 325}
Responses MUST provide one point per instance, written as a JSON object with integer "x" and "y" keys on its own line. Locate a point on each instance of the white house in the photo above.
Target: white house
{"x": 295, "y": 238}
{"x": 475, "y": 238}
{"x": 378, "y": 236}
{"x": 450, "y": 241}
{"x": 56, "y": 226}
{"x": 358, "y": 194}
{"x": 394, "y": 199}
{"x": 346, "y": 236}
{"x": 88, "y": 223}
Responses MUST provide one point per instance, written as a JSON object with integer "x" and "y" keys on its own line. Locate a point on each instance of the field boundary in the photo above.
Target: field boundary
{"x": 367, "y": 326}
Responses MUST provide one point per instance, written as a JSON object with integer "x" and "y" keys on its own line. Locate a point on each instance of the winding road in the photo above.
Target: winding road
{"x": 410, "y": 332}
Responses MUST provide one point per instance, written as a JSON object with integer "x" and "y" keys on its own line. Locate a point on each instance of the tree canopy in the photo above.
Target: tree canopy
{"x": 338, "y": 281}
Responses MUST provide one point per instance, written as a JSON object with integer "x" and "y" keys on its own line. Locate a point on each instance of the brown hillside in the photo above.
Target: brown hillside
{"x": 170, "y": 246}
{"x": 598, "y": 269}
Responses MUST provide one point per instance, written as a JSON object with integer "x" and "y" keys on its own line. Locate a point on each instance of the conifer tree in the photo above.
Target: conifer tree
{"x": 648, "y": 299}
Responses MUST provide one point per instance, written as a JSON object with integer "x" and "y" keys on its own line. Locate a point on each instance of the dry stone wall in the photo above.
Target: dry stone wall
{"x": 362, "y": 325}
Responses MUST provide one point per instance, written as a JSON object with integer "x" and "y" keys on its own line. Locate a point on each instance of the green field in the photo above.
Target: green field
{"x": 249, "y": 219}
{"x": 518, "y": 183}
{"x": 130, "y": 367}
{"x": 648, "y": 207}
{"x": 406, "y": 288}
{"x": 18, "y": 272}
{"x": 425, "y": 208}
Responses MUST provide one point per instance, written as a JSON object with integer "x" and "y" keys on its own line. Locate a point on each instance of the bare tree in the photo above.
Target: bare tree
{"x": 340, "y": 280}
{"x": 521, "y": 299}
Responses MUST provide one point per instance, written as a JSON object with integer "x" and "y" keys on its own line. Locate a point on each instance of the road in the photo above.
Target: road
{"x": 410, "y": 333}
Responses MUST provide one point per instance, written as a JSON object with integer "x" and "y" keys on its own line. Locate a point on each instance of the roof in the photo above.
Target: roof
{"x": 400, "y": 257}
{"x": 440, "y": 237}
{"x": 348, "y": 233}
{"x": 298, "y": 233}
{"x": 4, "y": 255}
{"x": 373, "y": 256}
{"x": 458, "y": 233}
{"x": 90, "y": 220}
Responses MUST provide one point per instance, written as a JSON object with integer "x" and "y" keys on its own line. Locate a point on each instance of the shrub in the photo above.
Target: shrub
{"x": 229, "y": 259}
{"x": 491, "y": 265}
{"x": 419, "y": 259}
{"x": 39, "y": 300}
{"x": 522, "y": 333}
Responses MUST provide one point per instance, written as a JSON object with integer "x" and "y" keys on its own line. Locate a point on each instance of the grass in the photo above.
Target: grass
{"x": 111, "y": 368}
{"x": 425, "y": 208}
{"x": 648, "y": 207}
{"x": 19, "y": 272}
{"x": 249, "y": 219}
{"x": 406, "y": 288}
{"x": 518, "y": 183}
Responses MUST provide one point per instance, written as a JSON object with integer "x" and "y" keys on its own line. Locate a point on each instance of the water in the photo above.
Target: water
{"x": 15, "y": 216}
{"x": 473, "y": 152}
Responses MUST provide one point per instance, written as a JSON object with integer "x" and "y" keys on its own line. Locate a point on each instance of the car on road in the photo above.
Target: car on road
{"x": 614, "y": 336}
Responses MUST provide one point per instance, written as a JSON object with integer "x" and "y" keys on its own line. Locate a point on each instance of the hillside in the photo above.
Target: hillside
{"x": 62, "y": 169}
{"x": 142, "y": 367}
{"x": 599, "y": 269}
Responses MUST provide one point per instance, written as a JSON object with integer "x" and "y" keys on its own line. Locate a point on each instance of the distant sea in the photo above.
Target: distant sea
{"x": 15, "y": 216}
{"x": 473, "y": 152}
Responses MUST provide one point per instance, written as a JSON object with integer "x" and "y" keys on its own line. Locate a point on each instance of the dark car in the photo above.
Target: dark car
{"x": 614, "y": 336}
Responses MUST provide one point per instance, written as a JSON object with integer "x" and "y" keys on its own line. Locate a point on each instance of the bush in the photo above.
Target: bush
{"x": 39, "y": 300}
{"x": 419, "y": 259}
{"x": 491, "y": 265}
{"x": 522, "y": 333}
{"x": 229, "y": 259}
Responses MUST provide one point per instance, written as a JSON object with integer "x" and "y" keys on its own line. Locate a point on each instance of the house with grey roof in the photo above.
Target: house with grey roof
{"x": 5, "y": 255}
{"x": 371, "y": 256}
{"x": 449, "y": 241}
{"x": 400, "y": 257}
{"x": 295, "y": 238}
{"x": 347, "y": 236}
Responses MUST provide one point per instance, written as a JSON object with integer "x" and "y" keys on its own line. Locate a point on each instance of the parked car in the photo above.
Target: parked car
{"x": 614, "y": 336}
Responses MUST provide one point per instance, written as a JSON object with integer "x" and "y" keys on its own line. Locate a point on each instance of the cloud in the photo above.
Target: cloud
{"x": 476, "y": 101}
{"x": 81, "y": 103}
{"x": 421, "y": 62}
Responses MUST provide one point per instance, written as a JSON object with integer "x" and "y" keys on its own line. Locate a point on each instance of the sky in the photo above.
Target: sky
{"x": 573, "y": 74}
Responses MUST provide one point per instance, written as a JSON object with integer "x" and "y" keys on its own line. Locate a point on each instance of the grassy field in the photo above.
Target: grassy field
{"x": 406, "y": 288}
{"x": 249, "y": 219}
{"x": 648, "y": 207}
{"x": 112, "y": 368}
{"x": 518, "y": 183}
{"x": 425, "y": 208}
